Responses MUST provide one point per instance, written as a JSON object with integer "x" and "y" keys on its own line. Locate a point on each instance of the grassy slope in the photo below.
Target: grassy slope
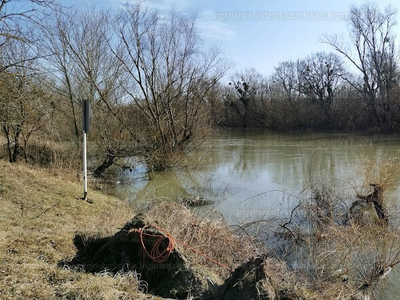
{"x": 39, "y": 217}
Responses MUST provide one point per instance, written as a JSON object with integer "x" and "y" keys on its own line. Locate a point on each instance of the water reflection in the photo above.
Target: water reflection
{"x": 249, "y": 173}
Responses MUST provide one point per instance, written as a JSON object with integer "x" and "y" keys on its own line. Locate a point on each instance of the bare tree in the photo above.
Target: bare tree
{"x": 85, "y": 68}
{"x": 22, "y": 101}
{"x": 248, "y": 98}
{"x": 286, "y": 91}
{"x": 372, "y": 38}
{"x": 61, "y": 62}
{"x": 320, "y": 80}
{"x": 16, "y": 26}
{"x": 169, "y": 78}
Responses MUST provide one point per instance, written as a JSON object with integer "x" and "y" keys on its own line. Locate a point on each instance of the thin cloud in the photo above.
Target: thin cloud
{"x": 211, "y": 27}
{"x": 164, "y": 5}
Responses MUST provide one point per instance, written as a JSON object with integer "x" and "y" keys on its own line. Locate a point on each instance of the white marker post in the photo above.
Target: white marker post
{"x": 86, "y": 124}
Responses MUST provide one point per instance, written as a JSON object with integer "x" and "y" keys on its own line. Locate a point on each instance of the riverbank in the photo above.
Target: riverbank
{"x": 42, "y": 216}
{"x": 39, "y": 217}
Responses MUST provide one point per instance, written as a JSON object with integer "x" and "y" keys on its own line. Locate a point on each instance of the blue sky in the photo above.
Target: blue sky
{"x": 261, "y": 33}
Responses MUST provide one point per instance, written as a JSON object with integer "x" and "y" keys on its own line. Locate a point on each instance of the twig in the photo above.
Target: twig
{"x": 290, "y": 221}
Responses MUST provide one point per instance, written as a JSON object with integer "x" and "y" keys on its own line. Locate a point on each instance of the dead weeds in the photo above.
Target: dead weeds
{"x": 40, "y": 215}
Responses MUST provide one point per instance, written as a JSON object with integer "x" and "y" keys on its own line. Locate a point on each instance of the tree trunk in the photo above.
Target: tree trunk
{"x": 17, "y": 146}
{"x": 15, "y": 152}
{"x": 108, "y": 162}
{"x": 13, "y": 147}
{"x": 9, "y": 150}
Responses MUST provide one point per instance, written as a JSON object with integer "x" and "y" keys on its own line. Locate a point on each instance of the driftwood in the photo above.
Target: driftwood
{"x": 370, "y": 204}
{"x": 251, "y": 281}
{"x": 195, "y": 201}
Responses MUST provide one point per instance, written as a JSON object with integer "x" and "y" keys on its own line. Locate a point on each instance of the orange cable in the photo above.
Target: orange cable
{"x": 155, "y": 254}
{"x": 158, "y": 257}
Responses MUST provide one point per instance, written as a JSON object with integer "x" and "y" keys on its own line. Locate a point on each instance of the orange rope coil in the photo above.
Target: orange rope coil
{"x": 156, "y": 254}
{"x": 159, "y": 256}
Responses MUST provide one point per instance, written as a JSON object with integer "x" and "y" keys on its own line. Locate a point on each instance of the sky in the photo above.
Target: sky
{"x": 261, "y": 33}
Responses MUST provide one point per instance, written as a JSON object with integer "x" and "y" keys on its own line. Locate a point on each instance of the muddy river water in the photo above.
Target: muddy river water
{"x": 250, "y": 174}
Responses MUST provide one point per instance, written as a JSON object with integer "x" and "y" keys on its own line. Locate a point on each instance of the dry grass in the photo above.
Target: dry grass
{"x": 367, "y": 249}
{"x": 364, "y": 251}
{"x": 41, "y": 214}
{"x": 344, "y": 260}
{"x": 334, "y": 256}
{"x": 211, "y": 237}
{"x": 39, "y": 217}
{"x": 382, "y": 170}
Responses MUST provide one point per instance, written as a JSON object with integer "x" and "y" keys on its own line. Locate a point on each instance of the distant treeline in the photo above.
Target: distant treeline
{"x": 155, "y": 92}
{"x": 356, "y": 87}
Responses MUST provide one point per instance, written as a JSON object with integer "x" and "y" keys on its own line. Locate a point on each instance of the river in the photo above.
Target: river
{"x": 251, "y": 174}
